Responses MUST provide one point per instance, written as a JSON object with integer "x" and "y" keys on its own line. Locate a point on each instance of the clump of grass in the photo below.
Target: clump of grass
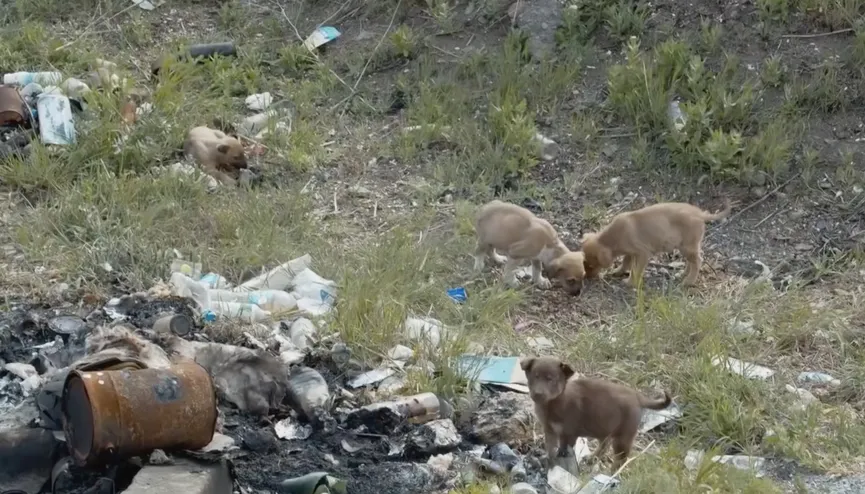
{"x": 720, "y": 135}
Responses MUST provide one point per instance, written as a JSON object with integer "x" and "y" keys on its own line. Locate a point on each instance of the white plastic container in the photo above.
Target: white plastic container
{"x": 279, "y": 278}
{"x": 234, "y": 310}
{"x": 24, "y": 78}
{"x": 184, "y": 286}
{"x": 214, "y": 281}
{"x": 191, "y": 269}
{"x": 308, "y": 284}
{"x": 269, "y": 300}
{"x": 55, "y": 119}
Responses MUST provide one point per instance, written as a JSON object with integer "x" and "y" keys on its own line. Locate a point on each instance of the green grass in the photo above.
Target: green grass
{"x": 466, "y": 132}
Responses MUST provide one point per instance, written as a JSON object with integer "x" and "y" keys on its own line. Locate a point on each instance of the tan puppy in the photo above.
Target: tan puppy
{"x": 522, "y": 236}
{"x": 640, "y": 234}
{"x": 570, "y": 409}
{"x": 219, "y": 155}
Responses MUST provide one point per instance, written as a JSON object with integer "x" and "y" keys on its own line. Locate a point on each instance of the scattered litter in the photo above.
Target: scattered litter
{"x": 549, "y": 150}
{"x": 278, "y": 278}
{"x": 146, "y": 4}
{"x": 677, "y": 118}
{"x": 738, "y": 327}
{"x": 817, "y": 378}
{"x": 340, "y": 353}
{"x": 392, "y": 384}
{"x": 440, "y": 464}
{"x": 384, "y": 416}
{"x": 400, "y": 354}
{"x": 302, "y": 333}
{"x": 313, "y": 483}
{"x": 540, "y": 344}
{"x": 563, "y": 482}
{"x": 350, "y": 448}
{"x": 177, "y": 324}
{"x": 22, "y": 371}
{"x": 67, "y": 325}
{"x": 805, "y": 396}
{"x": 25, "y": 78}
{"x": 653, "y": 418}
{"x": 307, "y": 392}
{"x": 55, "y": 119}
{"x": 457, "y": 294}
{"x": 321, "y": 36}
{"x": 505, "y": 417}
{"x": 213, "y": 281}
{"x": 425, "y": 330}
{"x": 371, "y": 377}
{"x": 436, "y": 436}
{"x": 501, "y": 371}
{"x": 694, "y": 458}
{"x": 745, "y": 369}
{"x": 581, "y": 449}
{"x": 259, "y": 102}
{"x": 291, "y": 430}
{"x": 523, "y": 488}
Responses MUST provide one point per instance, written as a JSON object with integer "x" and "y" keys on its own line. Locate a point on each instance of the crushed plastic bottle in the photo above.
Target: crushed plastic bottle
{"x": 279, "y": 278}
{"x": 234, "y": 310}
{"x": 269, "y": 300}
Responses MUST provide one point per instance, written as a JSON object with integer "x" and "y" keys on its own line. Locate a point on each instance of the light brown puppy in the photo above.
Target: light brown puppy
{"x": 219, "y": 155}
{"x": 520, "y": 235}
{"x": 572, "y": 408}
{"x": 640, "y": 234}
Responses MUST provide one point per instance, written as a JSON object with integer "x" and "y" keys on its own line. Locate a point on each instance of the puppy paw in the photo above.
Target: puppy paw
{"x": 543, "y": 284}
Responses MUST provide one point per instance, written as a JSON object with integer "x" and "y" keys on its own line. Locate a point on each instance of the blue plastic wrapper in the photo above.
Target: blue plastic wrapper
{"x": 458, "y": 294}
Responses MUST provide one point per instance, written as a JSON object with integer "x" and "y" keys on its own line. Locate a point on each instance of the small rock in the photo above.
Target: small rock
{"x": 817, "y": 378}
{"x": 259, "y": 441}
{"x": 540, "y": 344}
{"x": 758, "y": 192}
{"x": 504, "y": 418}
{"x": 737, "y": 327}
{"x": 392, "y": 384}
{"x": 358, "y": 190}
{"x": 494, "y": 489}
{"x": 307, "y": 392}
{"x": 440, "y": 464}
{"x": 400, "y": 353}
{"x": 436, "y": 436}
{"x": 158, "y": 457}
{"x": 523, "y": 488}
{"x": 745, "y": 369}
{"x": 519, "y": 473}
{"x": 504, "y": 455}
{"x": 489, "y": 466}
{"x": 805, "y": 396}
{"x": 549, "y": 150}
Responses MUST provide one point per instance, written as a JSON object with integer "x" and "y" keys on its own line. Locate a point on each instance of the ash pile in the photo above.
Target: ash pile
{"x": 188, "y": 386}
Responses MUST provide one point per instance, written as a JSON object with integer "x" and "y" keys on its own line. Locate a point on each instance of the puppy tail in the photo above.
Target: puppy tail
{"x": 728, "y": 206}
{"x": 655, "y": 404}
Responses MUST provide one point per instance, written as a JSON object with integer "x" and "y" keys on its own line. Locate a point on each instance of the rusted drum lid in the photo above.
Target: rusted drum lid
{"x": 79, "y": 418}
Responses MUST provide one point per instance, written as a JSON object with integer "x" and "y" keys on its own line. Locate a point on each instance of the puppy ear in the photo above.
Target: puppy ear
{"x": 527, "y": 363}
{"x": 567, "y": 370}
{"x": 222, "y": 148}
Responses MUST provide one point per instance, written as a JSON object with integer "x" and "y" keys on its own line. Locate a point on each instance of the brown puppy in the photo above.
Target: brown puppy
{"x": 572, "y": 408}
{"x": 522, "y": 236}
{"x": 218, "y": 154}
{"x": 640, "y": 234}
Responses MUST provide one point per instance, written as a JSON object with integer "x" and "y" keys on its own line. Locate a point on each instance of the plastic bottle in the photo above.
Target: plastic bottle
{"x": 269, "y": 300}
{"x": 235, "y": 310}
{"x": 279, "y": 278}
{"x": 214, "y": 281}
{"x": 191, "y": 269}
{"x": 24, "y": 78}
{"x": 184, "y": 286}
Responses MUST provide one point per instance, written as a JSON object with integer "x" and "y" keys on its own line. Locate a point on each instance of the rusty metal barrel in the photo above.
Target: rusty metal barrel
{"x": 113, "y": 415}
